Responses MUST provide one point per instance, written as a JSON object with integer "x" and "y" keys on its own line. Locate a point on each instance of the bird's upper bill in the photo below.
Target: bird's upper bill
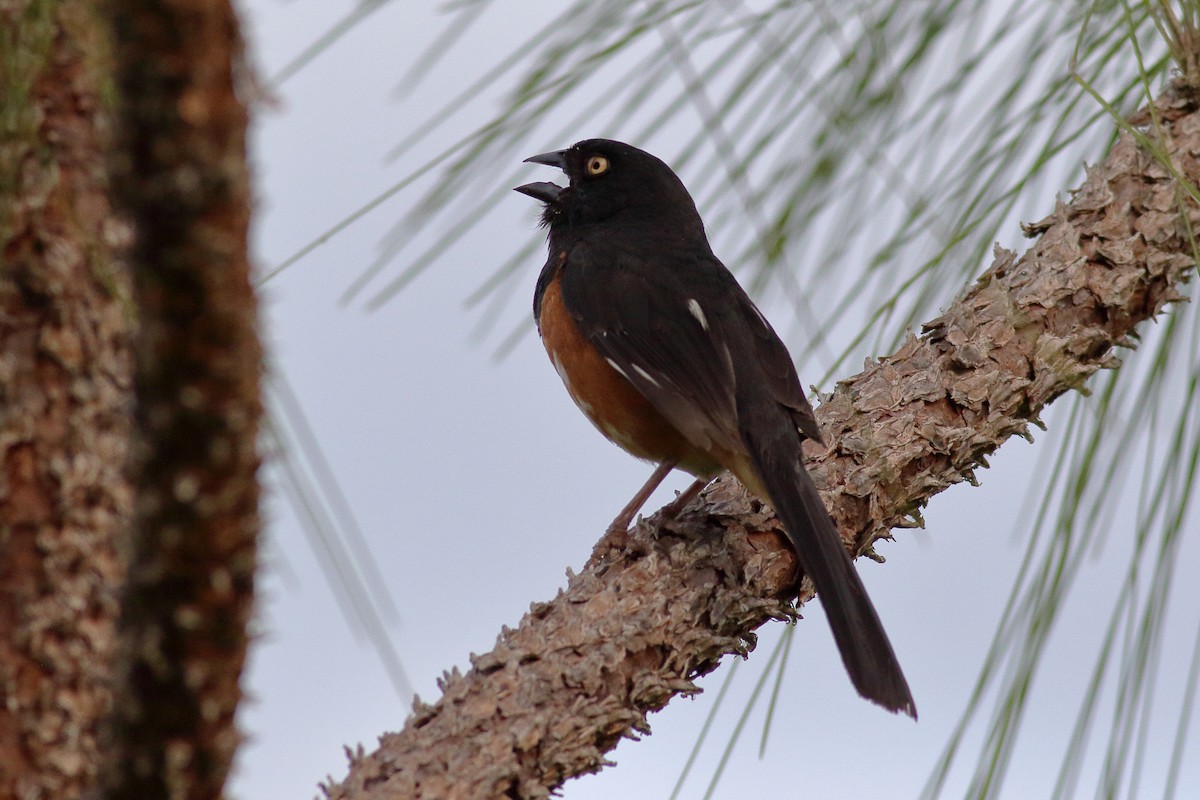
{"x": 544, "y": 190}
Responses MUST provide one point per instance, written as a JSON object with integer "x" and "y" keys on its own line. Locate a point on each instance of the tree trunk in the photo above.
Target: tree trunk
{"x": 179, "y": 170}
{"x": 65, "y": 398}
{"x": 74, "y": 319}
{"x": 653, "y": 611}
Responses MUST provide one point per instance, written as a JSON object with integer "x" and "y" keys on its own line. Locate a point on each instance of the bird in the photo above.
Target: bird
{"x": 664, "y": 352}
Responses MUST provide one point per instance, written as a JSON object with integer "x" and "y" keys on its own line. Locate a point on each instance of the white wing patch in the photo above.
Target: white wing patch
{"x": 761, "y": 318}
{"x": 698, "y": 313}
{"x": 617, "y": 367}
{"x": 645, "y": 375}
{"x": 636, "y": 369}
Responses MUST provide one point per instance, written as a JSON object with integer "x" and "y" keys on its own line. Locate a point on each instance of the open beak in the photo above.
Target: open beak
{"x": 558, "y": 158}
{"x": 543, "y": 190}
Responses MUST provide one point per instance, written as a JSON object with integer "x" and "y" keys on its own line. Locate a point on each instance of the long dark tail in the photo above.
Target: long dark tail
{"x": 774, "y": 447}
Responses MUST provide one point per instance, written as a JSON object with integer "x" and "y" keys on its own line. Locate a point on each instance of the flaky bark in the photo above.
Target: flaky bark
{"x": 649, "y": 615}
{"x": 65, "y": 388}
{"x": 67, "y": 332}
{"x": 180, "y": 172}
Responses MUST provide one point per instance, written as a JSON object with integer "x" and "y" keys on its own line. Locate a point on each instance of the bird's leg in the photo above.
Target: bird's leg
{"x": 677, "y": 505}
{"x": 621, "y": 523}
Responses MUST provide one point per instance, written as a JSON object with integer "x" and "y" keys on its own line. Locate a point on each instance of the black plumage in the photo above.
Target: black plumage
{"x": 631, "y": 266}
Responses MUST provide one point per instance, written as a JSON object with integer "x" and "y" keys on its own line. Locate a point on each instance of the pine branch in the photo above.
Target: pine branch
{"x": 653, "y": 611}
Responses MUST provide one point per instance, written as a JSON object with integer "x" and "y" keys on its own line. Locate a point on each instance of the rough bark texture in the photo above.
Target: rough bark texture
{"x": 179, "y": 171}
{"x": 652, "y": 612}
{"x": 65, "y": 389}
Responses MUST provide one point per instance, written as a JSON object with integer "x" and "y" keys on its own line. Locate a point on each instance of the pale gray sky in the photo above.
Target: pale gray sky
{"x": 478, "y": 483}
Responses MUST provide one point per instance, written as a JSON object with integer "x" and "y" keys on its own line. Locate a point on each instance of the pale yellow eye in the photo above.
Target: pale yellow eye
{"x": 596, "y": 165}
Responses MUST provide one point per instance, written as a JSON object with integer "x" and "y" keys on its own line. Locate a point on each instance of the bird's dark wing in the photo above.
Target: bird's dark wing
{"x": 642, "y": 317}
{"x": 777, "y": 368}
{"x": 678, "y": 329}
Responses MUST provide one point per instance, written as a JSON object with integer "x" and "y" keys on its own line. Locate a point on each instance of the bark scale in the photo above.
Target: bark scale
{"x": 65, "y": 398}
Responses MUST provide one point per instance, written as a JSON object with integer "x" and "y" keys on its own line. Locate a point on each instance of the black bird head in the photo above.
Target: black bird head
{"x": 611, "y": 180}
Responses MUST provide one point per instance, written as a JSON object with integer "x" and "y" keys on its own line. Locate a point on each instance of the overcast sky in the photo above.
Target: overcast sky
{"x": 477, "y": 483}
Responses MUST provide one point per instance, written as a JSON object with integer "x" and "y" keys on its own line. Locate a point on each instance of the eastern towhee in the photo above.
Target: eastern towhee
{"x": 670, "y": 359}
